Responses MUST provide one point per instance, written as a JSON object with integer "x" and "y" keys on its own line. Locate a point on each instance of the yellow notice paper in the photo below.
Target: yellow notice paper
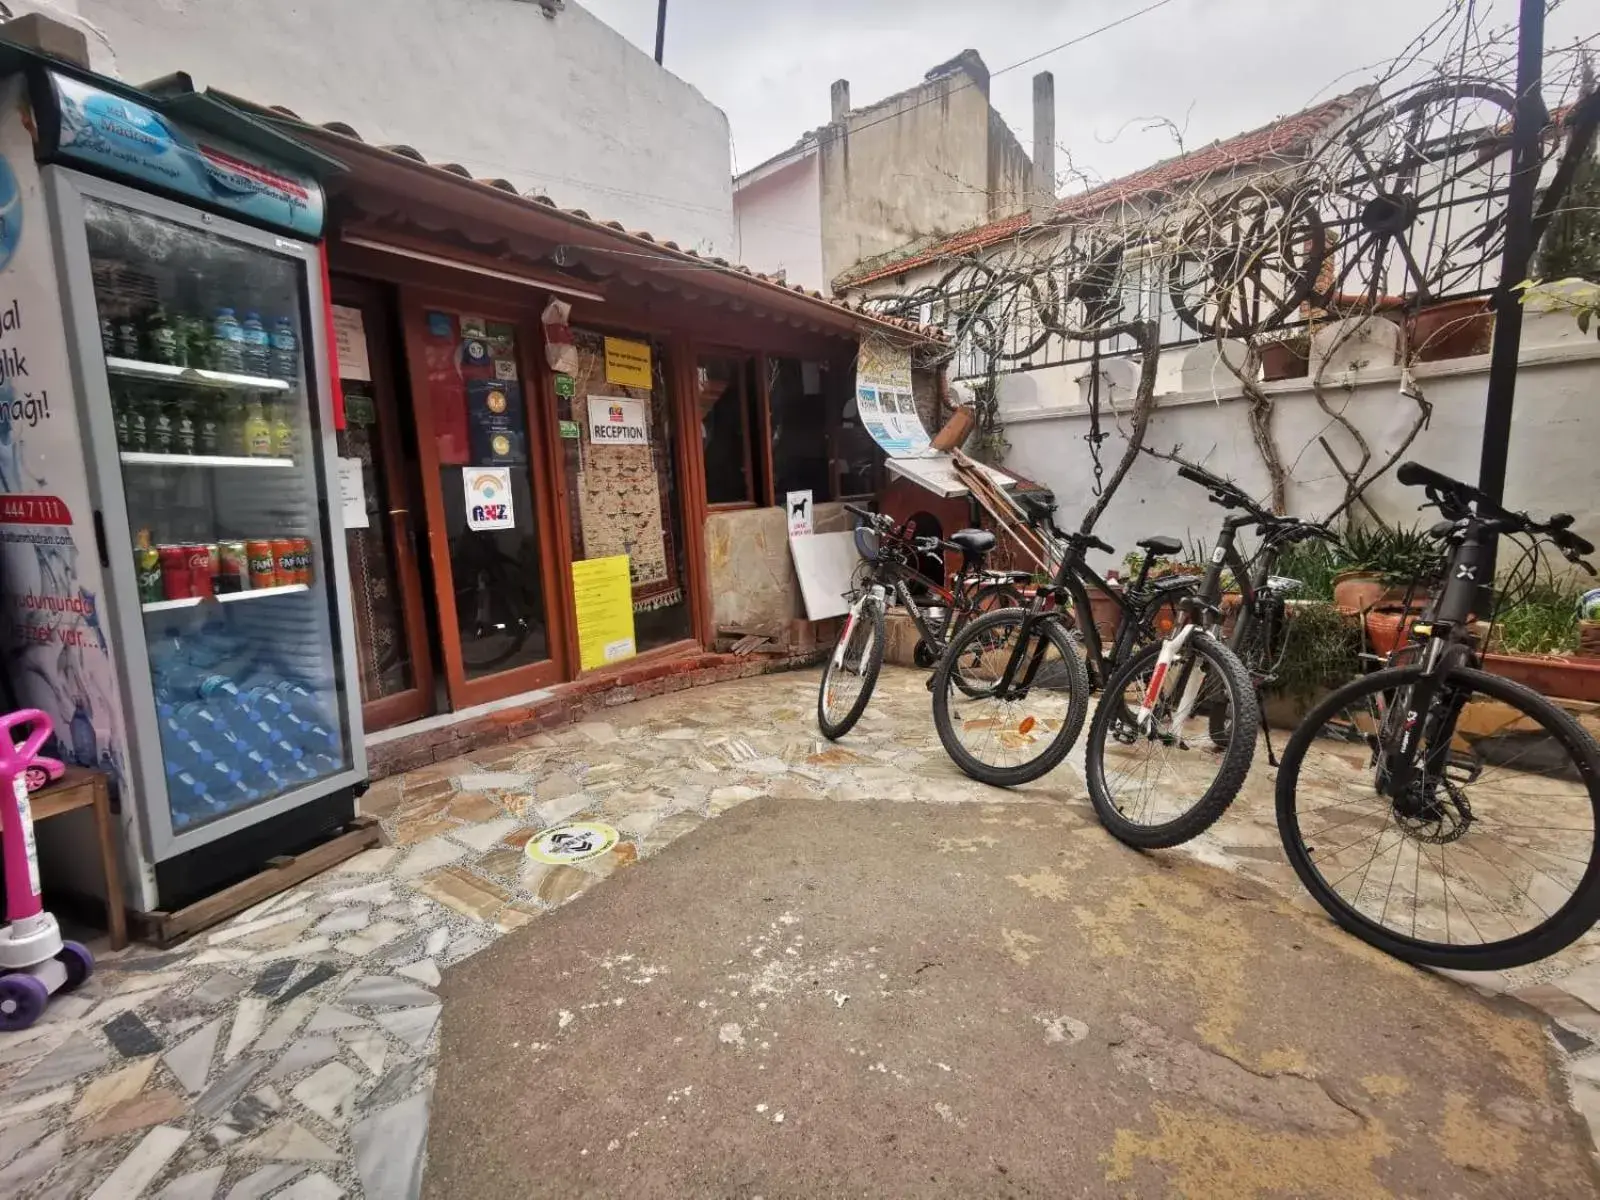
{"x": 603, "y": 595}
{"x": 628, "y": 363}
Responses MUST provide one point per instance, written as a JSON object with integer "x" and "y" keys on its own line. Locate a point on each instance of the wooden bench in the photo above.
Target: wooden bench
{"x": 83, "y": 788}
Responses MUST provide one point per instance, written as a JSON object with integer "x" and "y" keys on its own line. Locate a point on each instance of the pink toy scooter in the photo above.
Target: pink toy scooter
{"x": 34, "y": 960}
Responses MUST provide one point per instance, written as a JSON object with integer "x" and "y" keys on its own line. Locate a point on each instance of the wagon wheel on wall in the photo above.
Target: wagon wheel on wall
{"x": 1417, "y": 190}
{"x": 1246, "y": 262}
{"x": 1092, "y": 297}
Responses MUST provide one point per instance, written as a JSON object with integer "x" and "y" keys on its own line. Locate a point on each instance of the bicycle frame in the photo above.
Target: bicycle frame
{"x": 957, "y": 598}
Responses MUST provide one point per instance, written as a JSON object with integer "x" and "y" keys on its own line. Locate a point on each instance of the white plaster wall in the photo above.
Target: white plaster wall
{"x": 1554, "y": 452}
{"x": 778, "y": 222}
{"x": 562, "y": 105}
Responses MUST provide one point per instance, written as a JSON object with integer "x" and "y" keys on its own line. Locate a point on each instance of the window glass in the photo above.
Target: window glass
{"x": 725, "y": 430}
{"x": 800, "y": 428}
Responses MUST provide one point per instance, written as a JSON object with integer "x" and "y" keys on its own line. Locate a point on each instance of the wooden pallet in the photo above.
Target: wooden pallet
{"x": 279, "y": 875}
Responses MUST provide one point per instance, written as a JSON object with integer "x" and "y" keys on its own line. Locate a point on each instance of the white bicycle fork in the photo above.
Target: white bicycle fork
{"x": 1171, "y": 650}
{"x": 876, "y": 594}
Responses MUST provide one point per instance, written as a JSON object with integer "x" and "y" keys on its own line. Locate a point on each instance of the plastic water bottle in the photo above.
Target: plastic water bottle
{"x": 227, "y": 342}
{"x": 285, "y": 351}
{"x": 214, "y": 685}
{"x": 257, "y": 348}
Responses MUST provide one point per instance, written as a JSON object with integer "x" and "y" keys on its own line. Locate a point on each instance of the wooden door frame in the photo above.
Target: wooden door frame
{"x": 682, "y": 360}
{"x": 542, "y": 471}
{"x": 374, "y": 303}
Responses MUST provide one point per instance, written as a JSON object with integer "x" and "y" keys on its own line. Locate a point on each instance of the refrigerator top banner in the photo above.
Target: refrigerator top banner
{"x": 115, "y": 135}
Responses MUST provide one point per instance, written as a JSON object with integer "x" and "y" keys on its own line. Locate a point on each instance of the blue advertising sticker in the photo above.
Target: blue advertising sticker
{"x": 118, "y": 135}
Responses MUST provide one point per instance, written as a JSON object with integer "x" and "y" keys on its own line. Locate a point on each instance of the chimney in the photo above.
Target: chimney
{"x": 35, "y": 31}
{"x": 1044, "y": 145}
{"x": 840, "y": 94}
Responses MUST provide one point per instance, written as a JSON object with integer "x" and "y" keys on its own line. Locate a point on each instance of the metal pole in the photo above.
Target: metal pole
{"x": 1526, "y": 128}
{"x": 661, "y": 29}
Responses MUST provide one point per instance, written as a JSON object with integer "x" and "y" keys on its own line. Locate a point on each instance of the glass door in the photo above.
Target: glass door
{"x": 487, "y": 484}
{"x": 219, "y": 454}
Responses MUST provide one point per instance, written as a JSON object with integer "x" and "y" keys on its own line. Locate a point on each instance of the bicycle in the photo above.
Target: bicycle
{"x": 1153, "y": 780}
{"x": 891, "y": 554}
{"x": 1025, "y": 686}
{"x": 1374, "y": 783}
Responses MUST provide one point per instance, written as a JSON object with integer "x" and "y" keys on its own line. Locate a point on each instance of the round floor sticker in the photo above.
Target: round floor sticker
{"x": 572, "y": 842}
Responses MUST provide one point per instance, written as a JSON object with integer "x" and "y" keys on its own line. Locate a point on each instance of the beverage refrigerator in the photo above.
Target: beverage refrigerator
{"x": 192, "y": 310}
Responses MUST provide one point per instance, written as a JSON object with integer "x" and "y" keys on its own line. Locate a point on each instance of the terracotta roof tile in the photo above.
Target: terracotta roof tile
{"x": 1283, "y": 136}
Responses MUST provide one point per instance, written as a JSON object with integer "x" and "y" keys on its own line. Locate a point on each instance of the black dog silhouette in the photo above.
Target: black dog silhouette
{"x": 799, "y": 509}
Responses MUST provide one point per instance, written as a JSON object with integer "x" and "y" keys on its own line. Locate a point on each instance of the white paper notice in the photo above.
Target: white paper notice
{"x": 350, "y": 344}
{"x": 488, "y": 493}
{"x": 798, "y": 506}
{"x": 618, "y": 421}
{"x": 352, "y": 494}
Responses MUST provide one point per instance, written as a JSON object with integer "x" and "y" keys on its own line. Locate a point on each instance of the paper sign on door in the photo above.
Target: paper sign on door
{"x": 350, "y": 343}
{"x": 352, "y": 494}
{"x": 488, "y": 498}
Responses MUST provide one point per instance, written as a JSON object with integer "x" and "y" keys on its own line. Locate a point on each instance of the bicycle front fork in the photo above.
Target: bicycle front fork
{"x": 1173, "y": 650}
{"x": 874, "y": 595}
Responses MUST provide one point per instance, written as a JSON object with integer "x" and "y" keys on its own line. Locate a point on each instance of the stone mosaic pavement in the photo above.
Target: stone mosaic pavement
{"x": 290, "y": 1053}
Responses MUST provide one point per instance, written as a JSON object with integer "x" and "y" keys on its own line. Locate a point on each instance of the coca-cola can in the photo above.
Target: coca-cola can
{"x": 203, "y": 561}
{"x": 177, "y": 581}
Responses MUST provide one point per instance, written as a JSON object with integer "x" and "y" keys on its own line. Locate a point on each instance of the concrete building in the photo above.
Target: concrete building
{"x": 918, "y": 165}
{"x": 537, "y": 92}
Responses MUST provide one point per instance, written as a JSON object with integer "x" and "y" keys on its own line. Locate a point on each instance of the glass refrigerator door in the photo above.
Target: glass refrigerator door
{"x": 218, "y": 444}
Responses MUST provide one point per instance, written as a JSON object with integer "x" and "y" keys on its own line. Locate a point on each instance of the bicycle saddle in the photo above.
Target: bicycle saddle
{"x": 973, "y": 541}
{"x": 1161, "y": 545}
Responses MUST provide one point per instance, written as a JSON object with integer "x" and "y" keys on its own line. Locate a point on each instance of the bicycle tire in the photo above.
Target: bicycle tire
{"x": 1236, "y": 757}
{"x": 1569, "y": 923}
{"x": 1008, "y": 596}
{"x": 833, "y": 731}
{"x": 1056, "y": 749}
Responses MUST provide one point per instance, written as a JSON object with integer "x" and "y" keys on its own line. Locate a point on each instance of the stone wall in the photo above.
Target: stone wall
{"x": 753, "y": 584}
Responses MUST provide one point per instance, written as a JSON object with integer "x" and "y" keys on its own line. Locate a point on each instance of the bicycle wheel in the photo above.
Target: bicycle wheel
{"x": 852, "y": 672}
{"x": 1010, "y": 739}
{"x": 1162, "y": 781}
{"x": 990, "y": 598}
{"x": 1487, "y": 860}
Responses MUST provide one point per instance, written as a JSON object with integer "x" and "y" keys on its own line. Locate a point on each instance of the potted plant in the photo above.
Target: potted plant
{"x": 1379, "y": 563}
{"x": 1453, "y": 329}
{"x": 1538, "y": 643}
{"x": 1321, "y": 650}
{"x": 1286, "y": 358}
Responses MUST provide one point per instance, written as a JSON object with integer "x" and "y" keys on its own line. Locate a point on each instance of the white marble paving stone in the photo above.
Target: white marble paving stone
{"x": 31, "y": 1165}
{"x": 285, "y": 1024}
{"x": 329, "y": 1017}
{"x": 412, "y": 1025}
{"x": 306, "y": 1052}
{"x": 14, "y": 1139}
{"x": 389, "y": 1148}
{"x": 28, "y": 1044}
{"x": 385, "y": 991}
{"x": 380, "y": 892}
{"x": 368, "y": 862}
{"x": 20, "y": 1110}
{"x": 289, "y": 1140}
{"x": 221, "y": 954}
{"x": 123, "y": 1002}
{"x": 427, "y": 856}
{"x": 485, "y": 834}
{"x": 77, "y": 1056}
{"x": 301, "y": 949}
{"x": 228, "y": 1086}
{"x": 230, "y": 933}
{"x": 437, "y": 941}
{"x": 553, "y": 812}
{"x": 197, "y": 1185}
{"x": 66, "y": 1010}
{"x": 369, "y": 1046}
{"x": 248, "y": 1019}
{"x": 377, "y": 936}
{"x": 190, "y": 1060}
{"x": 312, "y": 1187}
{"x": 493, "y": 781}
{"x": 344, "y": 920}
{"x": 425, "y": 972}
{"x": 259, "y": 1183}
{"x": 143, "y": 1163}
{"x": 330, "y": 1092}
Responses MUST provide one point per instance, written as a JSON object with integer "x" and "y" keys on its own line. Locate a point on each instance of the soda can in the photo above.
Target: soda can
{"x": 233, "y": 572}
{"x": 177, "y": 580}
{"x": 283, "y": 558}
{"x": 302, "y": 560}
{"x": 147, "y": 569}
{"x": 203, "y": 562}
{"x": 263, "y": 563}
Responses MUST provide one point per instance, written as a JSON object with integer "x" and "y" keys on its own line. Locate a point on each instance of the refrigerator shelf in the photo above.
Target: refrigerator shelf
{"x": 143, "y": 458}
{"x": 134, "y": 368}
{"x": 225, "y": 597}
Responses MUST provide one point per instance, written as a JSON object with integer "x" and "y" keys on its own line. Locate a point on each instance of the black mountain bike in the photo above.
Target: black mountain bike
{"x": 1442, "y": 814}
{"x": 890, "y": 571}
{"x": 1011, "y": 693}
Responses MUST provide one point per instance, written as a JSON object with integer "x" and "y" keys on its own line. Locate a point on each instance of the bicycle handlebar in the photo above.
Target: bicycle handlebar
{"x": 1458, "y": 500}
{"x": 1226, "y": 493}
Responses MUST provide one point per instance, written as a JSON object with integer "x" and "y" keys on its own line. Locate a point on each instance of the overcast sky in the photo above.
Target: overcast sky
{"x": 1217, "y": 67}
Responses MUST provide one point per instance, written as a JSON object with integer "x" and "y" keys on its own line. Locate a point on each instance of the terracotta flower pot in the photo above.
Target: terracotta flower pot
{"x": 1284, "y": 360}
{"x": 1563, "y": 678}
{"x": 1358, "y": 591}
{"x": 1454, "y": 329}
{"x": 1387, "y": 632}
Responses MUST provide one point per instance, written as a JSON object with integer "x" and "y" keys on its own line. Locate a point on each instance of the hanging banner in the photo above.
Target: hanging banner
{"x": 488, "y": 498}
{"x": 628, "y": 363}
{"x": 55, "y": 642}
{"x": 614, "y": 421}
{"x": 602, "y": 593}
{"x": 884, "y": 402}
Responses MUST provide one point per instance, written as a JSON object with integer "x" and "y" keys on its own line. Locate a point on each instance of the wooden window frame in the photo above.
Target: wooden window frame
{"x": 755, "y": 414}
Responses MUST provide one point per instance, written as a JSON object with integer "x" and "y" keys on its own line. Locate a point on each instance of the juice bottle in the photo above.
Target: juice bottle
{"x": 282, "y": 432}
{"x": 257, "y": 431}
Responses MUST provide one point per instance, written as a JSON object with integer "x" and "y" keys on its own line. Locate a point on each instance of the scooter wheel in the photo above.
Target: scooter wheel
{"x": 22, "y": 1001}
{"x": 78, "y": 961}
